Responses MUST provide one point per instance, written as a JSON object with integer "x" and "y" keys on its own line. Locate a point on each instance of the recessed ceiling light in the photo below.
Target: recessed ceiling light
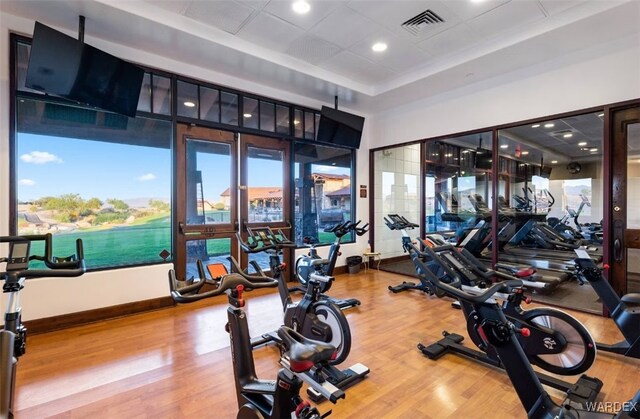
{"x": 301, "y": 7}
{"x": 189, "y": 104}
{"x": 567, "y": 135}
{"x": 524, "y": 153}
{"x": 535, "y": 125}
{"x": 582, "y": 144}
{"x": 296, "y": 122}
{"x": 379, "y": 47}
{"x": 593, "y": 150}
{"x": 549, "y": 125}
{"x": 247, "y": 115}
{"x": 448, "y": 155}
{"x": 504, "y": 146}
{"x": 554, "y": 161}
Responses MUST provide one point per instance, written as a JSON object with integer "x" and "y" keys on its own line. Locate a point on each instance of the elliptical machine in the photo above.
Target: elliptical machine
{"x": 625, "y": 310}
{"x": 509, "y": 340}
{"x": 312, "y": 316}
{"x": 258, "y": 398}
{"x": 13, "y": 337}
{"x": 312, "y": 263}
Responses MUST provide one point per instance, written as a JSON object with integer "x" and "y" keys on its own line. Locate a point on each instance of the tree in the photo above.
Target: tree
{"x": 118, "y": 204}
{"x": 159, "y": 205}
{"x": 219, "y": 206}
{"x": 93, "y": 203}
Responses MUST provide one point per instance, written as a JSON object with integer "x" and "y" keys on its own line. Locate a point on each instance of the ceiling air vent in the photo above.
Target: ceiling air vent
{"x": 419, "y": 22}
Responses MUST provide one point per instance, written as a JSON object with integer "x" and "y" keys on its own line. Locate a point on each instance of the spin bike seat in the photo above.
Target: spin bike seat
{"x": 633, "y": 299}
{"x": 304, "y": 353}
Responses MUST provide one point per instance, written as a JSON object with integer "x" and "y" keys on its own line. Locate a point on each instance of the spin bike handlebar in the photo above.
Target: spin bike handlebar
{"x": 452, "y": 289}
{"x": 359, "y": 230}
{"x": 342, "y": 227}
{"x": 398, "y": 222}
{"x": 263, "y": 239}
{"x": 190, "y": 293}
{"x": 70, "y": 266}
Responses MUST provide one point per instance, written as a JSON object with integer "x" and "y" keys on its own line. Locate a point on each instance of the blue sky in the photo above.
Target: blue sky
{"x": 52, "y": 166}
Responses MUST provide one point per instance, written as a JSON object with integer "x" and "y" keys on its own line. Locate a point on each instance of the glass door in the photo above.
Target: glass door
{"x": 625, "y": 217}
{"x": 264, "y": 189}
{"x": 207, "y": 198}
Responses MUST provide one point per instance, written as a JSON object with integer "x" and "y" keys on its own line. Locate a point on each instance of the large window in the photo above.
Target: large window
{"x": 106, "y": 178}
{"x": 322, "y": 190}
{"x": 101, "y": 177}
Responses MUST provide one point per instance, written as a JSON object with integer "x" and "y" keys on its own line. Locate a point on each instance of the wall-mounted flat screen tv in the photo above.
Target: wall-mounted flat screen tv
{"x": 63, "y": 66}
{"x": 340, "y": 128}
{"x": 483, "y": 159}
{"x": 545, "y": 172}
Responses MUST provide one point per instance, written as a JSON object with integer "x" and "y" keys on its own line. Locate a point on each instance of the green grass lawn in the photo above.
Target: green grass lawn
{"x": 137, "y": 243}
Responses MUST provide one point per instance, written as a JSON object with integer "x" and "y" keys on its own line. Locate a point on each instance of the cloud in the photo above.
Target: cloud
{"x": 40, "y": 157}
{"x": 146, "y": 177}
{"x": 26, "y": 182}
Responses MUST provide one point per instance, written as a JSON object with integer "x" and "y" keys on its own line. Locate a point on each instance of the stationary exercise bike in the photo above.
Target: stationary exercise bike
{"x": 312, "y": 316}
{"x": 13, "y": 337}
{"x": 509, "y": 341}
{"x": 312, "y": 263}
{"x": 258, "y": 398}
{"x": 397, "y": 222}
{"x": 625, "y": 310}
{"x": 555, "y": 341}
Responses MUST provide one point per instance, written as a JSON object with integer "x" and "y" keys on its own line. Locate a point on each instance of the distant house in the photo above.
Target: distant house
{"x": 333, "y": 191}
{"x": 340, "y": 198}
{"x": 262, "y": 197}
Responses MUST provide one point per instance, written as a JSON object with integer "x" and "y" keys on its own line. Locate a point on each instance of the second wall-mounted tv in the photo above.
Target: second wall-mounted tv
{"x": 484, "y": 159}
{"x": 340, "y": 128}
{"x": 63, "y": 66}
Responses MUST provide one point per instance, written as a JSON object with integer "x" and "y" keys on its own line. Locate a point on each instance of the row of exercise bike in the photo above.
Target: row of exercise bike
{"x": 512, "y": 338}
{"x": 303, "y": 360}
{"x": 315, "y": 337}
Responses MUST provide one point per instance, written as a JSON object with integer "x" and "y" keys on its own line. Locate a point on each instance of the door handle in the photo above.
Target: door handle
{"x": 617, "y": 250}
{"x": 618, "y": 234}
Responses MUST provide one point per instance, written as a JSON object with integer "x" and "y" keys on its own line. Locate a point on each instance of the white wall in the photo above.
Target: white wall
{"x": 604, "y": 74}
{"x": 50, "y": 297}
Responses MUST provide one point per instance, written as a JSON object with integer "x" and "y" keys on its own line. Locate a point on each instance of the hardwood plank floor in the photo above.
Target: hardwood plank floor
{"x": 175, "y": 362}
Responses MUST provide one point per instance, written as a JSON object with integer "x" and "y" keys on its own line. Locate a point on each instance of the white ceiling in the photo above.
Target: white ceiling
{"x": 327, "y": 51}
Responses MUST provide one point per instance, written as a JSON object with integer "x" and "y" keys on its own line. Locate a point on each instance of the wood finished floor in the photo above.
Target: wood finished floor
{"x": 175, "y": 362}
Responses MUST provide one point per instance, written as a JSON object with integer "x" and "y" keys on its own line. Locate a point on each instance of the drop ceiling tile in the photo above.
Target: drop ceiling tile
{"x": 554, "y": 7}
{"x": 227, "y": 15}
{"x": 255, "y": 4}
{"x": 175, "y": 6}
{"x": 312, "y": 49}
{"x": 510, "y": 16}
{"x": 400, "y": 55}
{"x": 453, "y": 40}
{"x": 344, "y": 27}
{"x": 392, "y": 14}
{"x": 270, "y": 32}
{"x": 466, "y": 9}
{"x": 357, "y": 68}
{"x": 319, "y": 9}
